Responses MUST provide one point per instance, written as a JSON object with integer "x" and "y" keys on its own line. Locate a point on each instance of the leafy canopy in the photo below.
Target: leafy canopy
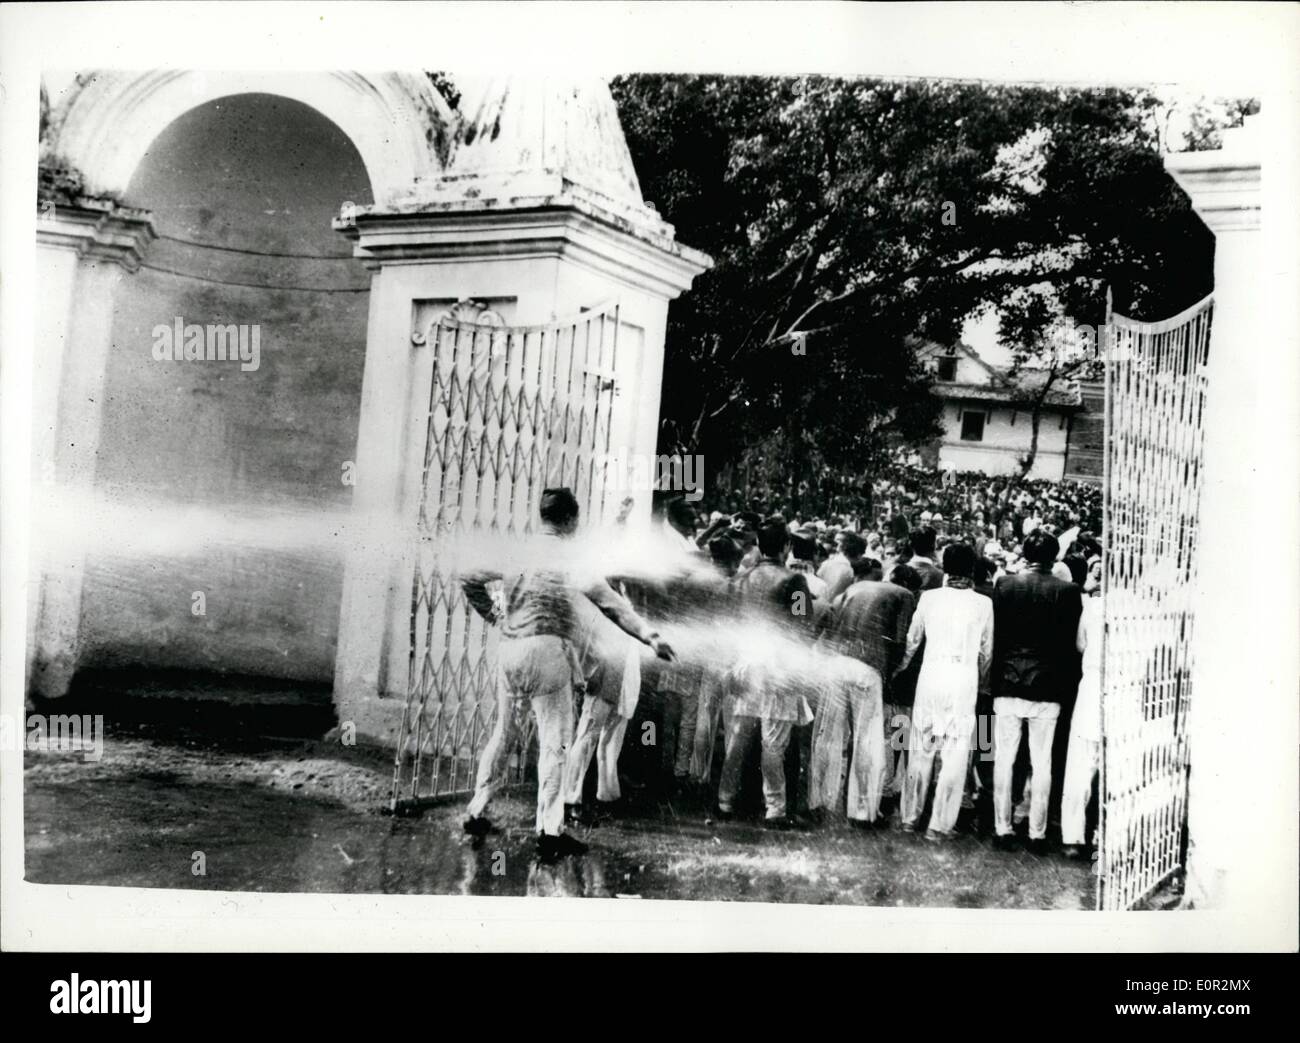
{"x": 864, "y": 212}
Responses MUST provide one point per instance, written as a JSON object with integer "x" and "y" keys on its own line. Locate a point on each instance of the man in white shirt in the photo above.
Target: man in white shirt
{"x": 956, "y": 624}
{"x": 875, "y": 547}
{"x": 837, "y": 570}
{"x": 1068, "y": 537}
{"x": 1085, "y": 724}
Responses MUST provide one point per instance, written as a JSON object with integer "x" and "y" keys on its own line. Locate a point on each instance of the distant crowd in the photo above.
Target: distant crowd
{"x": 989, "y": 512}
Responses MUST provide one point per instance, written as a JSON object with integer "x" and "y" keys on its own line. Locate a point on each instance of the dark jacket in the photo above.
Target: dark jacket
{"x": 1035, "y": 622}
{"x": 931, "y": 575}
{"x": 772, "y": 592}
{"x": 869, "y": 622}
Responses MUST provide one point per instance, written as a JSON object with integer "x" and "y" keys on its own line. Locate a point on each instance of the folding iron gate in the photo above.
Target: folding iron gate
{"x": 511, "y": 411}
{"x": 1155, "y": 409}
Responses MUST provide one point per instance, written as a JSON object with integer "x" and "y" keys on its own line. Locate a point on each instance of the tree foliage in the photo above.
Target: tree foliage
{"x": 846, "y": 215}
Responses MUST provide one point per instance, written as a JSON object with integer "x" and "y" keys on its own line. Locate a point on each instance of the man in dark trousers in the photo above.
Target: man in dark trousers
{"x": 1035, "y": 670}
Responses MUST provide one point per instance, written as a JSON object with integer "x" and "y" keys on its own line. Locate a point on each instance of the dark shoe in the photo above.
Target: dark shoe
{"x": 783, "y": 823}
{"x": 1036, "y": 846}
{"x": 721, "y": 815}
{"x": 907, "y": 827}
{"x": 1076, "y": 852}
{"x": 866, "y": 825}
{"x": 1005, "y": 842}
{"x": 479, "y": 826}
{"x": 936, "y": 836}
{"x": 552, "y": 849}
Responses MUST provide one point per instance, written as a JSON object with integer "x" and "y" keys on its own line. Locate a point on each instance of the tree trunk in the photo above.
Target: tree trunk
{"x": 1035, "y": 419}
{"x": 1027, "y": 461}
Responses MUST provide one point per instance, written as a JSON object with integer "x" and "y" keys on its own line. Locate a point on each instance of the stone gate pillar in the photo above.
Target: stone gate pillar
{"x": 1234, "y": 695}
{"x": 84, "y": 247}
{"x": 538, "y": 215}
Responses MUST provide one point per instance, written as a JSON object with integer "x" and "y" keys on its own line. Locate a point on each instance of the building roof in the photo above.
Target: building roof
{"x": 1000, "y": 387}
{"x": 930, "y": 348}
{"x": 1067, "y": 397}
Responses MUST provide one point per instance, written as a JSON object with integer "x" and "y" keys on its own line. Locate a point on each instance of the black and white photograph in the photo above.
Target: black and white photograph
{"x": 762, "y": 481}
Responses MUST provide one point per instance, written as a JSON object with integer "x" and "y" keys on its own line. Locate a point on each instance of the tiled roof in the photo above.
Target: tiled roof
{"x": 1063, "y": 396}
{"x": 1000, "y": 387}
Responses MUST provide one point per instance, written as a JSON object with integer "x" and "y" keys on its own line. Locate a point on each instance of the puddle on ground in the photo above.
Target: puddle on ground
{"x": 141, "y": 817}
{"x": 145, "y": 832}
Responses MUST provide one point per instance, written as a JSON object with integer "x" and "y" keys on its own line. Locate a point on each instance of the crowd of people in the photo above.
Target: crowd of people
{"x": 850, "y": 652}
{"x": 904, "y": 495}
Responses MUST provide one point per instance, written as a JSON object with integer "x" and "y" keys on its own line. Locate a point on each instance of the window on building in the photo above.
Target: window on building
{"x": 947, "y": 367}
{"x": 972, "y": 427}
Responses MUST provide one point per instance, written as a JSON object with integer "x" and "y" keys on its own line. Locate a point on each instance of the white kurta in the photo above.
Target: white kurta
{"x": 1086, "y": 722}
{"x": 957, "y": 627}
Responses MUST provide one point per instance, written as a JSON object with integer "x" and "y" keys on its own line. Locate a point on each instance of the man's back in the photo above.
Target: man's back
{"x": 1036, "y": 618}
{"x": 536, "y": 602}
{"x": 930, "y": 573}
{"x": 955, "y": 622}
{"x": 689, "y": 596}
{"x": 776, "y": 594}
{"x": 540, "y": 600}
{"x": 870, "y": 622}
{"x": 837, "y": 573}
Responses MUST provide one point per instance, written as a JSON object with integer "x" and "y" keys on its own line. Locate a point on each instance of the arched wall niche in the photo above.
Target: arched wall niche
{"x": 104, "y": 122}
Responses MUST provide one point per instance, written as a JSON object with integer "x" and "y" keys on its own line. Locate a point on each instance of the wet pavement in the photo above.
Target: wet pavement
{"x": 308, "y": 816}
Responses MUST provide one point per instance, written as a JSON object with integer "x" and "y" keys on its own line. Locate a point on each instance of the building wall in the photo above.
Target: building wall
{"x": 1086, "y": 461}
{"x": 1006, "y": 438}
{"x": 181, "y": 439}
{"x": 969, "y": 371}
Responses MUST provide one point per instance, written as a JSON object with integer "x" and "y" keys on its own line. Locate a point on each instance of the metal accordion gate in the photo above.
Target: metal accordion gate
{"x": 1155, "y": 409}
{"x": 511, "y": 411}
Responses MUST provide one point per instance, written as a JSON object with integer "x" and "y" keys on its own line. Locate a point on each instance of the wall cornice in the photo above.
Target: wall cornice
{"x": 97, "y": 228}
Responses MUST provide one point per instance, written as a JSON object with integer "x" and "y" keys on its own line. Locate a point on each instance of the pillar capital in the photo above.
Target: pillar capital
{"x": 96, "y": 228}
{"x": 539, "y": 169}
{"x": 1224, "y": 184}
{"x": 542, "y": 217}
